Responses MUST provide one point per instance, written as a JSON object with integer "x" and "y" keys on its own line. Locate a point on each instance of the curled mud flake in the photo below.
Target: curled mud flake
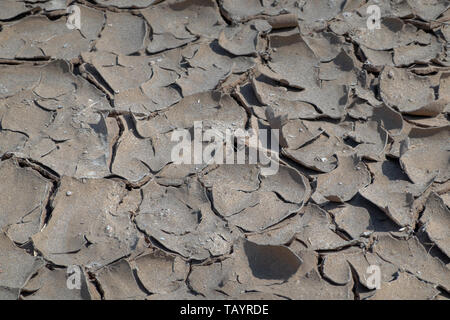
{"x": 269, "y": 211}
{"x": 88, "y": 114}
{"x": 189, "y": 19}
{"x": 294, "y": 60}
{"x": 151, "y": 151}
{"x": 50, "y": 84}
{"x": 242, "y": 40}
{"x": 281, "y": 13}
{"x": 281, "y": 233}
{"x": 281, "y": 100}
{"x": 58, "y": 132}
{"x": 330, "y": 98}
{"x": 341, "y": 184}
{"x": 343, "y": 25}
{"x": 237, "y": 177}
{"x": 182, "y": 221}
{"x": 69, "y": 240}
{"x": 164, "y": 41}
{"x": 341, "y": 69}
{"x": 172, "y": 272}
{"x": 183, "y": 293}
{"x": 376, "y": 59}
{"x": 372, "y": 139}
{"x": 336, "y": 267}
{"x": 153, "y": 80}
{"x": 268, "y": 90}
{"x": 414, "y": 53}
{"x": 209, "y": 65}
{"x": 340, "y": 130}
{"x": 48, "y": 5}
{"x": 11, "y": 142}
{"x": 321, "y": 10}
{"x": 426, "y": 122}
{"x": 428, "y": 10}
{"x": 361, "y": 263}
{"x": 92, "y": 22}
{"x": 229, "y": 202}
{"x": 121, "y": 73}
{"x": 289, "y": 184}
{"x": 289, "y": 20}
{"x": 127, "y": 3}
{"x": 317, "y": 230}
{"x": 406, "y": 287}
{"x": 14, "y": 79}
{"x": 249, "y": 265}
{"x": 39, "y": 37}
{"x": 231, "y": 194}
{"x": 85, "y": 155}
{"x": 247, "y": 96}
{"x": 213, "y": 280}
{"x": 21, "y": 219}
{"x": 136, "y": 167}
{"x": 236, "y": 9}
{"x": 399, "y": 142}
{"x": 165, "y": 209}
{"x": 433, "y": 109}
{"x": 284, "y": 262}
{"x": 198, "y": 80}
{"x": 393, "y": 33}
{"x": 123, "y": 34}
{"x": 389, "y": 119}
{"x": 134, "y": 101}
{"x": 392, "y": 192}
{"x": 11, "y": 8}
{"x": 412, "y": 257}
{"x": 118, "y": 282}
{"x": 404, "y": 90}
{"x": 319, "y": 155}
{"x": 326, "y": 45}
{"x": 160, "y": 90}
{"x": 51, "y": 284}
{"x": 17, "y": 267}
{"x": 296, "y": 134}
{"x": 436, "y": 222}
{"x": 426, "y": 155}
{"x": 359, "y": 218}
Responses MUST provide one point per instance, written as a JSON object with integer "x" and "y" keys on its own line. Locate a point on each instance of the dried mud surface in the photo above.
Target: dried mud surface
{"x": 87, "y": 180}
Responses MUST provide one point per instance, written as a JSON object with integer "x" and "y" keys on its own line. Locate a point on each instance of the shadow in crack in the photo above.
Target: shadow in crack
{"x": 271, "y": 262}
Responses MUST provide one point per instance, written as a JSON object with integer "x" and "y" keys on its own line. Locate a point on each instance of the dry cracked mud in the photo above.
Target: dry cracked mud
{"x": 91, "y": 197}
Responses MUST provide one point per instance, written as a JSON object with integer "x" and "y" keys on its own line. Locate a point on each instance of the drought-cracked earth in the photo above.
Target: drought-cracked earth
{"x": 92, "y": 205}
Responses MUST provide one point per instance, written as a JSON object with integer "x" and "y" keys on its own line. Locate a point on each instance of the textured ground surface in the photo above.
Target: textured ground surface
{"x": 87, "y": 180}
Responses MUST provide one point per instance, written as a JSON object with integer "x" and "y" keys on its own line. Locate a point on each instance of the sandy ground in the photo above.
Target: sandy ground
{"x": 344, "y": 102}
